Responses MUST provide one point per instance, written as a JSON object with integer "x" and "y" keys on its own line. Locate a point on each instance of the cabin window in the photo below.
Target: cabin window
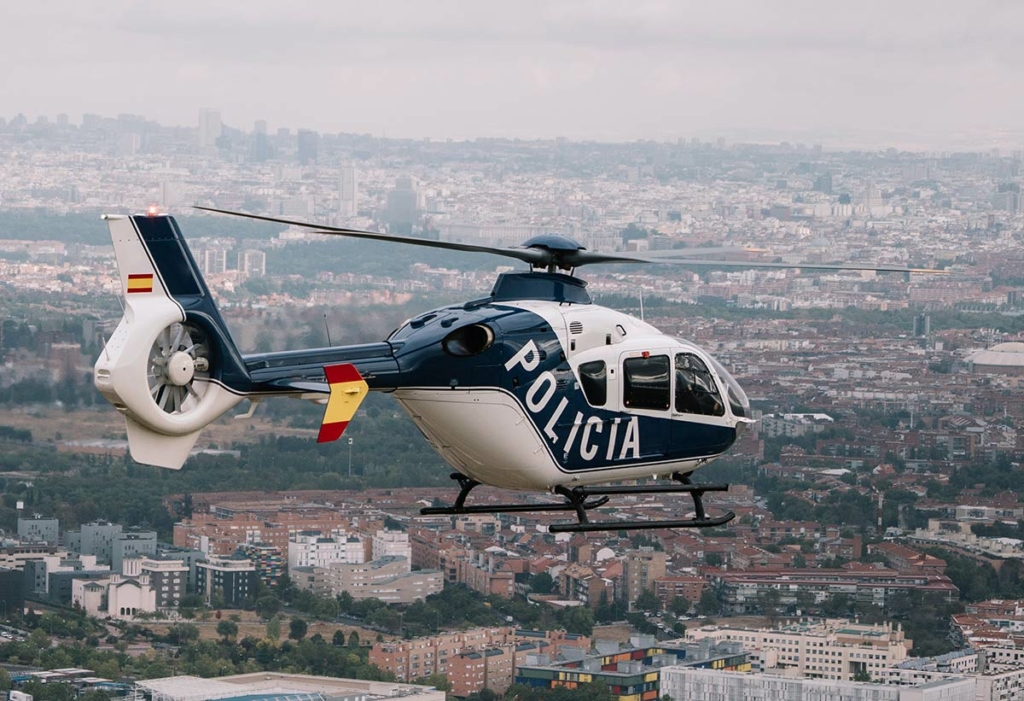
{"x": 696, "y": 391}
{"x": 594, "y": 381}
{"x": 646, "y": 382}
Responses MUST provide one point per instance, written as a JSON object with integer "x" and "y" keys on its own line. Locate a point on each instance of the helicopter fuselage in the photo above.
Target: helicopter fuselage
{"x": 536, "y": 387}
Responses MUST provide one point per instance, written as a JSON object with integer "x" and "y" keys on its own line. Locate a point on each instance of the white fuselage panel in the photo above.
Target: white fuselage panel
{"x": 484, "y": 434}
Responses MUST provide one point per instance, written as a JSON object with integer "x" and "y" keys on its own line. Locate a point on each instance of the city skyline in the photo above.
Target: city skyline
{"x": 916, "y": 76}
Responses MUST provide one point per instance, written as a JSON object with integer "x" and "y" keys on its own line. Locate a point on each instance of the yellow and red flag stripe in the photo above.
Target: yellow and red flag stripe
{"x": 140, "y": 283}
{"x": 348, "y": 388}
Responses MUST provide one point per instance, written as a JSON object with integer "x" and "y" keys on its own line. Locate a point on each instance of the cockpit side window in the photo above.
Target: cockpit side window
{"x": 594, "y": 380}
{"x": 696, "y": 391}
{"x": 646, "y": 382}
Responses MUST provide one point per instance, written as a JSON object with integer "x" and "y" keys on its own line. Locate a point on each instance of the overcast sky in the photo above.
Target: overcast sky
{"x": 910, "y": 73}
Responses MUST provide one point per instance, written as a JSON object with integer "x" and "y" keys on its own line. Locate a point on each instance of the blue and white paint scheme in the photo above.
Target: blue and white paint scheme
{"x": 533, "y": 387}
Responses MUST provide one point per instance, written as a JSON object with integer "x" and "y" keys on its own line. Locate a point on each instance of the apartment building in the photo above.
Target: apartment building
{"x": 220, "y": 534}
{"x": 319, "y": 549}
{"x": 682, "y": 586}
{"x": 640, "y": 569}
{"x": 833, "y": 650}
{"x": 422, "y": 657}
{"x": 688, "y": 683}
{"x": 269, "y": 562}
{"x": 630, "y": 672}
{"x": 387, "y": 579}
{"x": 234, "y": 578}
{"x": 742, "y": 592}
{"x": 169, "y": 579}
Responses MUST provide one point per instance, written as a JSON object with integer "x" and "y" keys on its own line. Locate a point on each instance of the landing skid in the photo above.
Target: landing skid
{"x": 578, "y": 499}
{"x": 467, "y": 486}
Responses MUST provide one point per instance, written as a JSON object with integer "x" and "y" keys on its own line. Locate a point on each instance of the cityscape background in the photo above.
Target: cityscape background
{"x": 878, "y": 548}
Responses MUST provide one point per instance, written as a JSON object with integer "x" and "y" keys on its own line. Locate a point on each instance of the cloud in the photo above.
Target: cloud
{"x": 529, "y": 68}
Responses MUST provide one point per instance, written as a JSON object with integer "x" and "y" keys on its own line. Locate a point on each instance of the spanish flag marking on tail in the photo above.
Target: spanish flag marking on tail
{"x": 348, "y": 388}
{"x": 140, "y": 283}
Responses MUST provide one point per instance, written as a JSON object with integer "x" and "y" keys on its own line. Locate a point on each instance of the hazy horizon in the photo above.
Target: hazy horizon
{"x": 914, "y": 75}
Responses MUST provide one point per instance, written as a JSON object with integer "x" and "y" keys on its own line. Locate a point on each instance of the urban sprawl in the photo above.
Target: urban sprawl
{"x": 878, "y": 544}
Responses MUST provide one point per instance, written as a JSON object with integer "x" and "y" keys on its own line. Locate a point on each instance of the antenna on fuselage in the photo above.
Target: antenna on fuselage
{"x": 328, "y": 330}
{"x": 641, "y": 304}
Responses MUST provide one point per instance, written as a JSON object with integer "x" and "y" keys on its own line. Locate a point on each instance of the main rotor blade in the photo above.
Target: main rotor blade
{"x": 696, "y": 262}
{"x": 534, "y": 257}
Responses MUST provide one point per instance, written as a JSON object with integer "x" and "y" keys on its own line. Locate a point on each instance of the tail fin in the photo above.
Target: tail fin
{"x": 170, "y": 367}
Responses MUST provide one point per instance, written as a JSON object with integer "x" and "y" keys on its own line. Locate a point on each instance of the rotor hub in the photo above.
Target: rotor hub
{"x": 181, "y": 368}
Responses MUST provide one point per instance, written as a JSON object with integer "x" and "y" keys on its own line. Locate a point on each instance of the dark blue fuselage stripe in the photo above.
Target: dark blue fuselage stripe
{"x": 171, "y": 256}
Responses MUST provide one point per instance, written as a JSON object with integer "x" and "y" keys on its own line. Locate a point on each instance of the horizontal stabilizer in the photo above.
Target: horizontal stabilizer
{"x": 348, "y": 388}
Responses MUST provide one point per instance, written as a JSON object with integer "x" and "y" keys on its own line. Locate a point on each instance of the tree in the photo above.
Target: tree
{"x": 768, "y": 601}
{"x": 438, "y": 681}
{"x": 709, "y": 604}
{"x": 680, "y": 605}
{"x": 297, "y": 629}
{"x": 713, "y": 559}
{"x": 836, "y": 605}
{"x": 227, "y": 630}
{"x": 274, "y": 628}
{"x": 339, "y": 638}
{"x": 268, "y": 605}
{"x": 542, "y": 583}
{"x": 577, "y": 619}
{"x": 353, "y": 640}
{"x": 647, "y": 601}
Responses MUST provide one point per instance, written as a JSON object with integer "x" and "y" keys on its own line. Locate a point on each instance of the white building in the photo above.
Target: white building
{"x": 314, "y": 549}
{"x": 120, "y": 596}
{"x": 209, "y": 128}
{"x": 834, "y": 650}
{"x": 280, "y": 685}
{"x": 392, "y": 544}
{"x": 252, "y": 263}
{"x": 692, "y": 684}
{"x": 348, "y": 192}
{"x": 131, "y": 593}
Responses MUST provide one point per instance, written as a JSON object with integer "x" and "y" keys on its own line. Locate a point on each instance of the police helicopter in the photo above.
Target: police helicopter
{"x": 533, "y": 387}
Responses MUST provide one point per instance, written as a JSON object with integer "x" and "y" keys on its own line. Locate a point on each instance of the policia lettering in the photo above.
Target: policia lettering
{"x": 543, "y": 389}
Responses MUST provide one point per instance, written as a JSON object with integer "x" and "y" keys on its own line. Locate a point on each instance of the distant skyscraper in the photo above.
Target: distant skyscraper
{"x": 252, "y": 263}
{"x": 209, "y": 128}
{"x": 260, "y": 127}
{"x": 212, "y": 261}
{"x": 922, "y": 325}
{"x": 1007, "y": 198}
{"x": 402, "y": 207}
{"x": 824, "y": 183}
{"x": 308, "y": 141}
{"x": 348, "y": 192}
{"x": 259, "y": 148}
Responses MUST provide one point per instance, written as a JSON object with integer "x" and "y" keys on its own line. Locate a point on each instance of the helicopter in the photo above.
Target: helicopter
{"x": 532, "y": 388}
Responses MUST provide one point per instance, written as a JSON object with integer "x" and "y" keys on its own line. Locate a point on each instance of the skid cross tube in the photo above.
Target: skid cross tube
{"x": 467, "y": 485}
{"x": 577, "y": 497}
{"x": 582, "y": 499}
{"x": 640, "y": 525}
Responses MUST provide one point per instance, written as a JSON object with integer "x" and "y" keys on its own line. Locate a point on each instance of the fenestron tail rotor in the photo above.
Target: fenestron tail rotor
{"x": 178, "y": 366}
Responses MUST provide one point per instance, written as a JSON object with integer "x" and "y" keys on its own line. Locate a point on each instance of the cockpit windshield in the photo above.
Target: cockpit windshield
{"x": 738, "y": 402}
